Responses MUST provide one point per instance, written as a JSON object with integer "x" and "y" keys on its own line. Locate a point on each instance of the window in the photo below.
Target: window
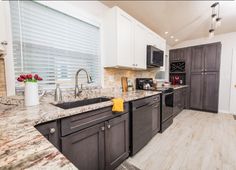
{"x": 53, "y": 44}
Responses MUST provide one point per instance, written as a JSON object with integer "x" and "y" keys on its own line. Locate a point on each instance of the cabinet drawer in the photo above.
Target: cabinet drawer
{"x": 83, "y": 120}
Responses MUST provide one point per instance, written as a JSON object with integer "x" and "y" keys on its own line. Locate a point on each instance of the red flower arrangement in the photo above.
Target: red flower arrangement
{"x": 29, "y": 78}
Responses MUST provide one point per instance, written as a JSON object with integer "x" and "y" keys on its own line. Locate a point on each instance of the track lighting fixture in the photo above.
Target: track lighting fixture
{"x": 215, "y": 19}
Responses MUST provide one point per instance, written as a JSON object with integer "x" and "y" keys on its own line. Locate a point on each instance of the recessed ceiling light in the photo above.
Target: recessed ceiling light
{"x": 172, "y": 36}
{"x": 166, "y": 32}
{"x": 176, "y": 40}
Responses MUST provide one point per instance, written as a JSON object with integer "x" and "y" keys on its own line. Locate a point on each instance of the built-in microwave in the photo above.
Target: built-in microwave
{"x": 154, "y": 56}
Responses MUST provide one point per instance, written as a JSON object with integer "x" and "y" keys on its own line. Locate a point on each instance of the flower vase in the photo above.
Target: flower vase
{"x": 31, "y": 94}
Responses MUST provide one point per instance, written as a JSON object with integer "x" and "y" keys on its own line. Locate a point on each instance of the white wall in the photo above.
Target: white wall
{"x": 228, "y": 43}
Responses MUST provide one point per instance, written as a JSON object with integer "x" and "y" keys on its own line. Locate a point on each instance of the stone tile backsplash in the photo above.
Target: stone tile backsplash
{"x": 112, "y": 77}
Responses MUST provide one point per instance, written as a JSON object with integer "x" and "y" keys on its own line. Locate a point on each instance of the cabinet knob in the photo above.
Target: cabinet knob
{"x": 108, "y": 126}
{"x": 52, "y": 130}
{"x": 103, "y": 128}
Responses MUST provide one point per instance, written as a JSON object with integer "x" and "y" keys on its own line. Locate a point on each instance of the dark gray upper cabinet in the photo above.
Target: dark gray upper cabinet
{"x": 50, "y": 131}
{"x": 117, "y": 141}
{"x": 212, "y": 57}
{"x": 177, "y": 55}
{"x": 211, "y": 91}
{"x": 197, "y": 59}
{"x": 85, "y": 148}
{"x": 196, "y": 89}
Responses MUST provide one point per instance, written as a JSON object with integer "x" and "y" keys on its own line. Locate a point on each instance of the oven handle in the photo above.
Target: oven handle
{"x": 166, "y": 94}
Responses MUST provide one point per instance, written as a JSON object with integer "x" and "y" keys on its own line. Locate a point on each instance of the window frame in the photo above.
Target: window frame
{"x": 63, "y": 7}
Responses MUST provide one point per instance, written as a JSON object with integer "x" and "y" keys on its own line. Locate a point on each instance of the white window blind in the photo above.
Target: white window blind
{"x": 53, "y": 44}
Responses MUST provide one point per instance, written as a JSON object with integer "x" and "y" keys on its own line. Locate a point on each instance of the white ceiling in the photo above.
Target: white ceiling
{"x": 184, "y": 20}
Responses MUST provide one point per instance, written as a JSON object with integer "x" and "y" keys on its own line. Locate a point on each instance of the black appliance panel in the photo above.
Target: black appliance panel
{"x": 167, "y": 105}
{"x": 155, "y": 57}
{"x": 141, "y": 121}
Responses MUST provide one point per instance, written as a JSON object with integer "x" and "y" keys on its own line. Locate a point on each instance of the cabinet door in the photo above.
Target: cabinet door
{"x": 177, "y": 102}
{"x": 85, "y": 148}
{"x": 117, "y": 141}
{"x": 196, "y": 90}
{"x": 187, "y": 55}
{"x": 183, "y": 98}
{"x": 140, "y": 47}
{"x": 50, "y": 131}
{"x": 211, "y": 91}
{"x": 156, "y": 119}
{"x": 3, "y": 30}
{"x": 197, "y": 59}
{"x": 171, "y": 55}
{"x": 212, "y": 57}
{"x": 125, "y": 37}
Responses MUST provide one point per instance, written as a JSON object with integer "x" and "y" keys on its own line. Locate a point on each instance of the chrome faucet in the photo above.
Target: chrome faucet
{"x": 89, "y": 80}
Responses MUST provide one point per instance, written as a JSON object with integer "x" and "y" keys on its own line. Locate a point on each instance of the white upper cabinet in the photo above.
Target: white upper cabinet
{"x": 125, "y": 40}
{"x": 2, "y": 30}
{"x": 140, "y": 46}
{"x": 125, "y": 37}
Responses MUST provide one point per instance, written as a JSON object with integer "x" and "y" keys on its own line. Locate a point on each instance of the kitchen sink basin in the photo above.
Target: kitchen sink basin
{"x": 69, "y": 105}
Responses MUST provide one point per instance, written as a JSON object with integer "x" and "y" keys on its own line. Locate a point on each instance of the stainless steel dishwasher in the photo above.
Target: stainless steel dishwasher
{"x": 141, "y": 123}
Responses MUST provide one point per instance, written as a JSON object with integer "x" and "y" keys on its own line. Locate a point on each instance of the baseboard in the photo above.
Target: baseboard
{"x": 226, "y": 112}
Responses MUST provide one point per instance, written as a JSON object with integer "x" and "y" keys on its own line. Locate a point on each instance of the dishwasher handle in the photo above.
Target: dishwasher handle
{"x": 142, "y": 106}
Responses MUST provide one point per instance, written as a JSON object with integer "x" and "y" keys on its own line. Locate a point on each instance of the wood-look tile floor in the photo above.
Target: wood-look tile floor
{"x": 195, "y": 141}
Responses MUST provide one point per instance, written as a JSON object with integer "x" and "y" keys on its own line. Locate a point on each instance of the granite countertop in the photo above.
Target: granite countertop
{"x": 23, "y": 147}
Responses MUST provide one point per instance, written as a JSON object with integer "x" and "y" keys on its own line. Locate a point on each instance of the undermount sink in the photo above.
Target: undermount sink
{"x": 79, "y": 103}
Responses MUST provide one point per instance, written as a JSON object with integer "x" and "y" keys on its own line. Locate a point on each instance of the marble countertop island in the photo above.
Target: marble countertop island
{"x": 23, "y": 147}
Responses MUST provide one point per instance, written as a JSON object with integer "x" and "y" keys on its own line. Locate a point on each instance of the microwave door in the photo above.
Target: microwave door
{"x": 157, "y": 58}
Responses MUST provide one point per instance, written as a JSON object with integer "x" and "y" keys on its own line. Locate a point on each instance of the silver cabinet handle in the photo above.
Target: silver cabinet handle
{"x": 4, "y": 43}
{"x": 108, "y": 126}
{"x": 103, "y": 128}
{"x": 52, "y": 130}
{"x": 156, "y": 106}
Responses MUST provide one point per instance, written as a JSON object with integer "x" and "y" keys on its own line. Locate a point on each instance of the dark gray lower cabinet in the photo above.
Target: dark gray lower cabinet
{"x": 85, "y": 148}
{"x": 179, "y": 100}
{"x": 156, "y": 118}
{"x": 196, "y": 89}
{"x": 204, "y": 91}
{"x": 211, "y": 91}
{"x": 50, "y": 131}
{"x": 102, "y": 146}
{"x": 116, "y": 141}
